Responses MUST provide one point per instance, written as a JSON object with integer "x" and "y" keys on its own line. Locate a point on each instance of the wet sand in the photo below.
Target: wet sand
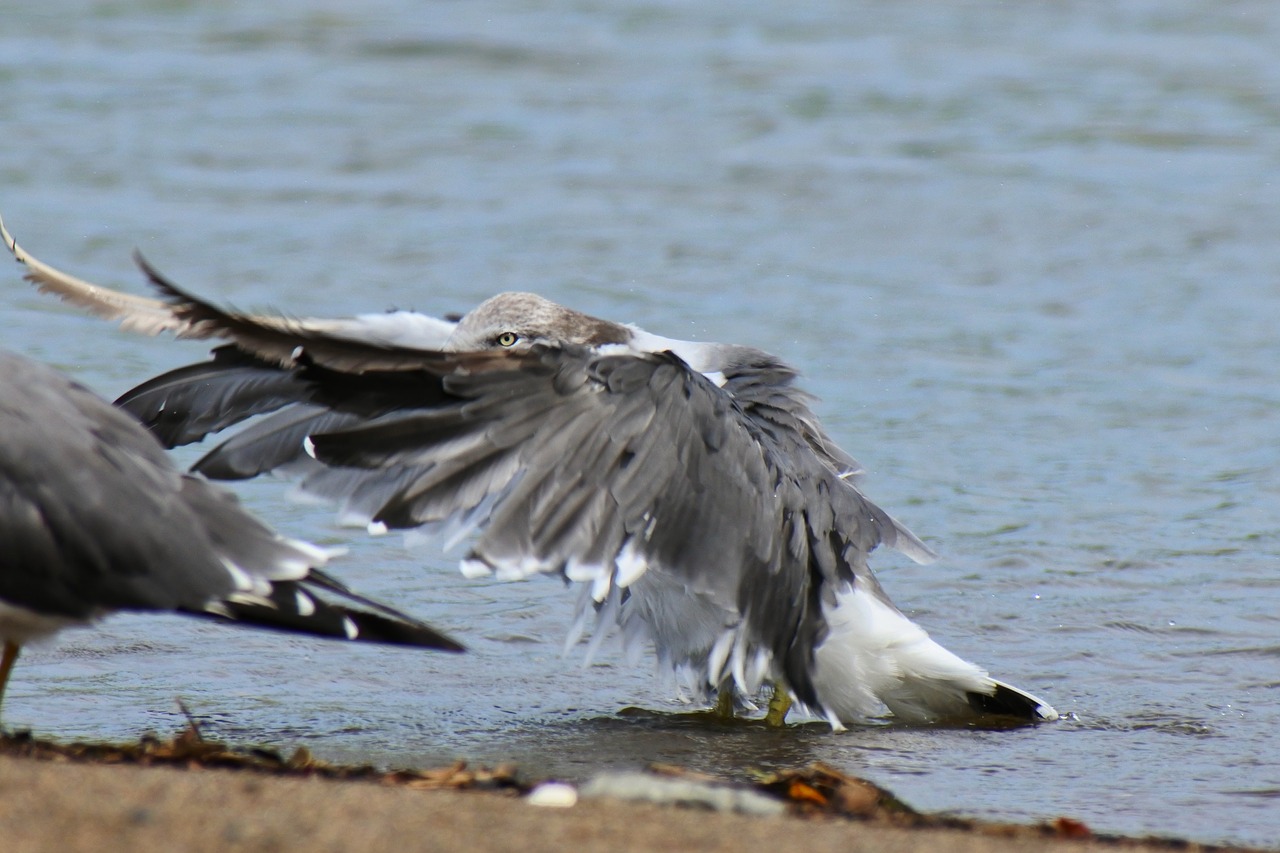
{"x": 54, "y": 802}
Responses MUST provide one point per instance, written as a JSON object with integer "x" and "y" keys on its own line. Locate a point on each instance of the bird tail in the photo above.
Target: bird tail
{"x": 875, "y": 657}
{"x": 1005, "y": 700}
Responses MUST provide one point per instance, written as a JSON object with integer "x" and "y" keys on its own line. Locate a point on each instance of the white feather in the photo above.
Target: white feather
{"x": 306, "y": 605}
{"x": 874, "y": 656}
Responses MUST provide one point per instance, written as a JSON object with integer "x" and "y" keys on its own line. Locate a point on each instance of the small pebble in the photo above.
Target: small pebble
{"x": 556, "y": 795}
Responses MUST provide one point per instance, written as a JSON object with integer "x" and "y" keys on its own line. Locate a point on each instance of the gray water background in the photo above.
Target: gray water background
{"x": 1026, "y": 253}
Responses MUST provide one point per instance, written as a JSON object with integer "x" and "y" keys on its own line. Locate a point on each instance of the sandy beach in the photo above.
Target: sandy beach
{"x": 101, "y": 801}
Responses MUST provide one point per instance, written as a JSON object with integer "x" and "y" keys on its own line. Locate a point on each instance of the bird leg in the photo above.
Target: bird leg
{"x": 11, "y": 650}
{"x": 724, "y": 707}
{"x": 779, "y": 704}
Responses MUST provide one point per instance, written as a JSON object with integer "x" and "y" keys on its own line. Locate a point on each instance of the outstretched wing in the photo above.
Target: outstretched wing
{"x": 150, "y": 316}
{"x": 623, "y": 470}
{"x": 606, "y": 468}
{"x": 601, "y": 467}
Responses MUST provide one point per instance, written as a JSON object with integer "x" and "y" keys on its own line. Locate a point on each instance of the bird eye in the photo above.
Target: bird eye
{"x": 507, "y": 339}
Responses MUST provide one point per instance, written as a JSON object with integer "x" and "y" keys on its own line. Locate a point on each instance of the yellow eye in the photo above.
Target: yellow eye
{"x": 507, "y": 339}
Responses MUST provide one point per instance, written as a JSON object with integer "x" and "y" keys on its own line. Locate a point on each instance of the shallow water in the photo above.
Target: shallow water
{"x": 1026, "y": 253}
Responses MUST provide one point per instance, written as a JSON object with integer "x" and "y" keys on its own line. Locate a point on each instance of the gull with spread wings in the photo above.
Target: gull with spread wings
{"x": 687, "y": 487}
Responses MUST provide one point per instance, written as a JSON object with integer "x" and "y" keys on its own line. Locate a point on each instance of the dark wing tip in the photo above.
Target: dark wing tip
{"x": 1009, "y": 701}
{"x": 376, "y": 628}
{"x": 291, "y": 608}
{"x": 166, "y": 288}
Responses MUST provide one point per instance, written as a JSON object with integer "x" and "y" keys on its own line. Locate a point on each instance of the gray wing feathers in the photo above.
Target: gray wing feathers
{"x": 574, "y": 458}
{"x": 187, "y": 404}
{"x": 274, "y": 442}
{"x": 782, "y": 413}
{"x": 280, "y": 340}
{"x": 75, "y": 462}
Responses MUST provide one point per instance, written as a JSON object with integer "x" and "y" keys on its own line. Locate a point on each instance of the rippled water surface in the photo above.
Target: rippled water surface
{"x": 1027, "y": 254}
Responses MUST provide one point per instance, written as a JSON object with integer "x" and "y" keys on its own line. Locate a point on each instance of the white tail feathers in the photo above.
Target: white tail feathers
{"x": 874, "y": 657}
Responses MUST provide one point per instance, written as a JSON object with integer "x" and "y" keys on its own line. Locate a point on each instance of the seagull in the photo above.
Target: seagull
{"x": 687, "y": 488}
{"x": 95, "y": 518}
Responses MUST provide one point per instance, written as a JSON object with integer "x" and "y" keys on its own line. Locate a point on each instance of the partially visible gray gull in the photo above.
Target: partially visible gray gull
{"x": 94, "y": 518}
{"x": 687, "y": 487}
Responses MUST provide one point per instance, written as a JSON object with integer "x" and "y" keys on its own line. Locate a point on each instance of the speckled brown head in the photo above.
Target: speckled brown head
{"x": 515, "y": 320}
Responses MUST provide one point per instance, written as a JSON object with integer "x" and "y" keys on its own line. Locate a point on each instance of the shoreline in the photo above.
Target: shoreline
{"x": 189, "y": 794}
